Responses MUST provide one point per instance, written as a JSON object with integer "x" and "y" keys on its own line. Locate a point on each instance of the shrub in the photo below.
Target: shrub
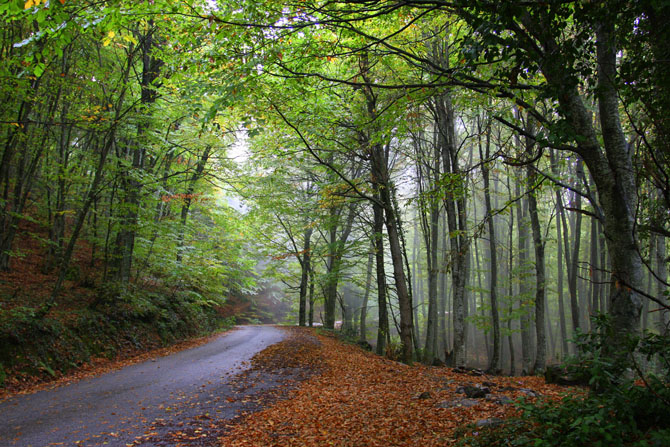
{"x": 627, "y": 404}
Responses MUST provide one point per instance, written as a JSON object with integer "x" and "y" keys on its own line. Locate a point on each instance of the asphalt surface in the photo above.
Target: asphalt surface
{"x": 182, "y": 393}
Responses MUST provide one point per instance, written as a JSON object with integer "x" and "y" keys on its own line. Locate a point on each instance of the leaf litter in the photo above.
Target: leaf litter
{"x": 361, "y": 399}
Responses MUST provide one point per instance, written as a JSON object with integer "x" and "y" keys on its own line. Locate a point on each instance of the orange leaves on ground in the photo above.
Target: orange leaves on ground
{"x": 361, "y": 399}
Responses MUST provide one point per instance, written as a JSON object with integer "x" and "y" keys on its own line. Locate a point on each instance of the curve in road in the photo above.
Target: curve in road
{"x": 119, "y": 407}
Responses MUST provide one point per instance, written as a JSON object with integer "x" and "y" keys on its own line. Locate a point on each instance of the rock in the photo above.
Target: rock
{"x": 489, "y": 422}
{"x": 465, "y": 403}
{"x": 477, "y": 372}
{"x": 504, "y": 400}
{"x": 460, "y": 390}
{"x": 475, "y": 392}
{"x": 424, "y": 395}
{"x": 507, "y": 388}
{"x": 489, "y": 384}
{"x": 527, "y": 392}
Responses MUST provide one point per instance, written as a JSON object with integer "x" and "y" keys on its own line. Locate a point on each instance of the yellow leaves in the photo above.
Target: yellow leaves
{"x": 108, "y": 39}
{"x": 96, "y": 113}
{"x": 130, "y": 39}
{"x": 30, "y": 3}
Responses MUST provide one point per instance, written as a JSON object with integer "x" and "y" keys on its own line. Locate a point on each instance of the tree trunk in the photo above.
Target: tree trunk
{"x": 132, "y": 186}
{"x": 611, "y": 168}
{"x": 188, "y": 199}
{"x": 383, "y": 186}
{"x": 494, "y": 361}
{"x": 524, "y": 292}
{"x": 429, "y": 216}
{"x": 305, "y": 267}
{"x": 363, "y": 331}
{"x": 455, "y": 194}
{"x": 79, "y": 222}
{"x": 383, "y": 327}
{"x": 311, "y": 298}
{"x": 510, "y": 286}
{"x": 444, "y": 320}
{"x": 661, "y": 270}
{"x": 404, "y": 301}
{"x": 418, "y": 299}
{"x": 541, "y": 343}
{"x": 559, "y": 260}
{"x": 336, "y": 248}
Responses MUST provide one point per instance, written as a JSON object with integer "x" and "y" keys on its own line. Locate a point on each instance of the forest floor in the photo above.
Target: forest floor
{"x": 357, "y": 398}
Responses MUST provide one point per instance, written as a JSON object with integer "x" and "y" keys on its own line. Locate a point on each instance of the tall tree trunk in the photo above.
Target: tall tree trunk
{"x": 524, "y": 291}
{"x": 429, "y": 217}
{"x": 455, "y": 208}
{"x": 661, "y": 269}
{"x": 311, "y": 298}
{"x": 494, "y": 361}
{"x": 363, "y": 331}
{"x": 595, "y": 267}
{"x": 305, "y": 267}
{"x": 404, "y": 300}
{"x": 383, "y": 185}
{"x": 510, "y": 286}
{"x": 188, "y": 199}
{"x": 15, "y": 143}
{"x": 541, "y": 343}
{"x": 418, "y": 296}
{"x": 611, "y": 166}
{"x": 444, "y": 320}
{"x": 79, "y": 223}
{"x": 455, "y": 195}
{"x": 57, "y": 229}
{"x": 573, "y": 266}
{"x": 132, "y": 186}
{"x": 559, "y": 260}
{"x": 336, "y": 248}
{"x": 383, "y": 327}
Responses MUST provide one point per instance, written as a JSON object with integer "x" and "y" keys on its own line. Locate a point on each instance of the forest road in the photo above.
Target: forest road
{"x": 183, "y": 397}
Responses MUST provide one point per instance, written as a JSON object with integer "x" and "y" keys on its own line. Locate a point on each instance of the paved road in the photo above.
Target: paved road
{"x": 116, "y": 408}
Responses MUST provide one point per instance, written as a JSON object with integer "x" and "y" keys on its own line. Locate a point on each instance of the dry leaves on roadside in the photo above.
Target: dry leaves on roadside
{"x": 361, "y": 399}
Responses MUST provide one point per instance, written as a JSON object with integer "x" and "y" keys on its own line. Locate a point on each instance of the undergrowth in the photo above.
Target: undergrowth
{"x": 627, "y": 403}
{"x": 119, "y": 321}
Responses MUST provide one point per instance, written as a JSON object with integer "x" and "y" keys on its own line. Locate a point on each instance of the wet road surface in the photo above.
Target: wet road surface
{"x": 183, "y": 391}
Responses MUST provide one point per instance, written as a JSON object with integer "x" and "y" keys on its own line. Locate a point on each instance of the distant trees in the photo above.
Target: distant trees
{"x": 536, "y": 58}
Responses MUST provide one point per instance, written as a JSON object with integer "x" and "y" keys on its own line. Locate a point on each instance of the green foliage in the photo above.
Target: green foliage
{"x": 618, "y": 410}
{"x": 394, "y": 349}
{"x": 122, "y": 319}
